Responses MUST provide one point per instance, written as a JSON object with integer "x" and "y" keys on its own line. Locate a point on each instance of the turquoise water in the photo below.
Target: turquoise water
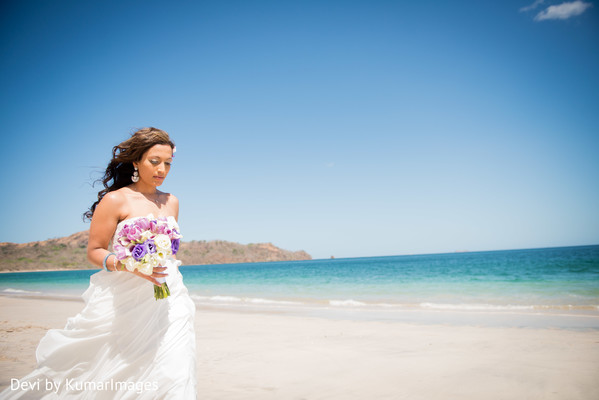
{"x": 565, "y": 279}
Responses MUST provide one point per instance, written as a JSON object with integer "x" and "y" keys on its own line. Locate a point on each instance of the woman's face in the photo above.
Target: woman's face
{"x": 155, "y": 164}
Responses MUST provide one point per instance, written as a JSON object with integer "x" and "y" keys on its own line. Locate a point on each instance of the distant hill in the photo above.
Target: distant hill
{"x": 70, "y": 252}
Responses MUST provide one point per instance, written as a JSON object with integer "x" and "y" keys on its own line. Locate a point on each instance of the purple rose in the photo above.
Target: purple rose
{"x": 175, "y": 245}
{"x": 139, "y": 251}
{"x": 151, "y": 246}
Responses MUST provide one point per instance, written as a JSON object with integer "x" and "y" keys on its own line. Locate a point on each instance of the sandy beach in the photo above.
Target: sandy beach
{"x": 246, "y": 355}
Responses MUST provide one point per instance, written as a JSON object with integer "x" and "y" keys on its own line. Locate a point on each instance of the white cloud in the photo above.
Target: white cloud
{"x": 532, "y": 6}
{"x": 563, "y": 11}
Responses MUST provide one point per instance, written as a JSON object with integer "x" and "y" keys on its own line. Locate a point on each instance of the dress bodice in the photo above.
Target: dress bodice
{"x": 171, "y": 221}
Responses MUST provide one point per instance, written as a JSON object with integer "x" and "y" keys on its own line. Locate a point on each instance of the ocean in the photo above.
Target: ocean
{"x": 518, "y": 285}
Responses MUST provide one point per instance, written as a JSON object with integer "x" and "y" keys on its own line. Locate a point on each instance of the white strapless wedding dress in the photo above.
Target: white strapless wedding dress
{"x": 123, "y": 345}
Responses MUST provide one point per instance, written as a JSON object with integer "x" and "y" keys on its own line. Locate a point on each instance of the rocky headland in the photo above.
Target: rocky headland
{"x": 70, "y": 252}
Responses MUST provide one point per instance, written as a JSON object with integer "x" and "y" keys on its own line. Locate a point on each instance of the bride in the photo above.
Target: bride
{"x": 124, "y": 344}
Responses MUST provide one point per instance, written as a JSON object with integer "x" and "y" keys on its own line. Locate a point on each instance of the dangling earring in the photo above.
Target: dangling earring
{"x": 135, "y": 176}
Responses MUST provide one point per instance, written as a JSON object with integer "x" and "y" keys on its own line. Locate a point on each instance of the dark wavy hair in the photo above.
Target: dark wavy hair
{"x": 120, "y": 168}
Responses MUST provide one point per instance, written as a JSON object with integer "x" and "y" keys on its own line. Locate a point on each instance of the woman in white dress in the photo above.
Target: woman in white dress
{"x": 124, "y": 344}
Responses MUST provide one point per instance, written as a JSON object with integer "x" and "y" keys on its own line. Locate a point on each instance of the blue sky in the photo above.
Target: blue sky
{"x": 345, "y": 128}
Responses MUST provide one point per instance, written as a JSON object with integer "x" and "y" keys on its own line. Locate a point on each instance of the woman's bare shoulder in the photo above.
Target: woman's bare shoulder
{"x": 171, "y": 198}
{"x": 172, "y": 203}
{"x": 168, "y": 197}
{"x": 116, "y": 197}
{"x": 115, "y": 204}
{"x": 111, "y": 209}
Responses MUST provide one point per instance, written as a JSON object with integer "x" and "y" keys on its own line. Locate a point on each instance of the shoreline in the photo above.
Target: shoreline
{"x": 260, "y": 356}
{"x": 563, "y": 319}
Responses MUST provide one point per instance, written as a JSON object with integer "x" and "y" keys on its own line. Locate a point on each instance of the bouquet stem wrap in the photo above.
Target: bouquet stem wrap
{"x": 162, "y": 291}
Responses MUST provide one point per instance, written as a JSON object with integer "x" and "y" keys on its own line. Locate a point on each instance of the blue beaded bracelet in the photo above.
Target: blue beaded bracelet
{"x": 106, "y": 258}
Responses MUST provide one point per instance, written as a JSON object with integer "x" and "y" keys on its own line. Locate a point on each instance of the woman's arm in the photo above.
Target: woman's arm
{"x": 104, "y": 222}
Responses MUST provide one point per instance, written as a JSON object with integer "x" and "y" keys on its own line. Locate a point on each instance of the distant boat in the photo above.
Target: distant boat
{"x": 332, "y": 257}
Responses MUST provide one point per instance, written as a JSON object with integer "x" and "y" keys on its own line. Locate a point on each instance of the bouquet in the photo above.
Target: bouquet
{"x": 146, "y": 243}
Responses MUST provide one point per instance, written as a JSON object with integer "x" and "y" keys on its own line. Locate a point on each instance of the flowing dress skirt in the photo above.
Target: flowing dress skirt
{"x": 123, "y": 345}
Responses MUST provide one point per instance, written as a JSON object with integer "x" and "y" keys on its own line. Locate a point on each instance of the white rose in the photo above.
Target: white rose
{"x": 147, "y": 235}
{"x": 145, "y": 268}
{"x": 163, "y": 243}
{"x": 129, "y": 263}
{"x": 153, "y": 261}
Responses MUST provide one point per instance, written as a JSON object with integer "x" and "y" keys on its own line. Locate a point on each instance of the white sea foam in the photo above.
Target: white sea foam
{"x": 241, "y": 300}
{"x": 474, "y": 307}
{"x": 11, "y": 290}
{"x": 227, "y": 299}
{"x": 346, "y": 303}
{"x": 349, "y": 303}
{"x": 387, "y": 305}
{"x": 48, "y": 295}
{"x": 267, "y": 301}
